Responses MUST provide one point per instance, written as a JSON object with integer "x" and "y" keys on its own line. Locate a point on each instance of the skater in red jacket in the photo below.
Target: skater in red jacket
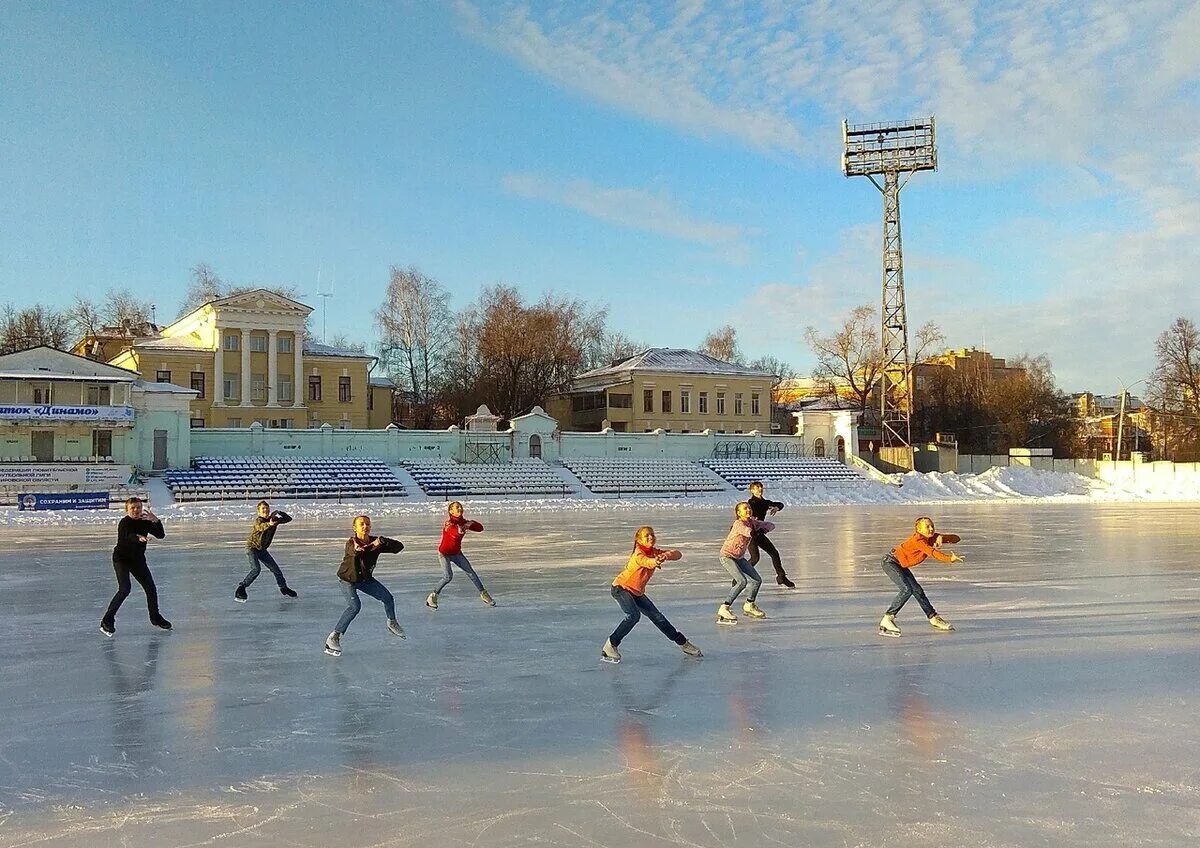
{"x": 898, "y": 565}
{"x": 450, "y": 552}
{"x": 629, "y": 591}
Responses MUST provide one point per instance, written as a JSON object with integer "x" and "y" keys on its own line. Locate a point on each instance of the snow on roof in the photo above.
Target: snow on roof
{"x": 677, "y": 360}
{"x": 172, "y": 343}
{"x": 162, "y": 388}
{"x": 312, "y": 348}
{"x": 384, "y": 382}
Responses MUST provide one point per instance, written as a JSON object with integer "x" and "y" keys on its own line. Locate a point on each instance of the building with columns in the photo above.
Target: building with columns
{"x": 248, "y": 358}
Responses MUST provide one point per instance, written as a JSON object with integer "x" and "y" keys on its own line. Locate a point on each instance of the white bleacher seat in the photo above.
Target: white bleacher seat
{"x": 617, "y": 475}
{"x": 214, "y": 478}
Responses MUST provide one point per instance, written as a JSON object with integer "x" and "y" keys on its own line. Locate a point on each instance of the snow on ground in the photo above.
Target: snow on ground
{"x": 1013, "y": 483}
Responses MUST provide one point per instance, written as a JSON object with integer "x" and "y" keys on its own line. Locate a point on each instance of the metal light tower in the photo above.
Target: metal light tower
{"x": 895, "y": 152}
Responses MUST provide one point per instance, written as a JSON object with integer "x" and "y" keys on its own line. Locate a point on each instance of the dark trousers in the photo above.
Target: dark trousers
{"x": 634, "y": 606}
{"x": 762, "y": 543}
{"x": 140, "y": 572}
{"x": 257, "y": 560}
{"x": 909, "y": 587}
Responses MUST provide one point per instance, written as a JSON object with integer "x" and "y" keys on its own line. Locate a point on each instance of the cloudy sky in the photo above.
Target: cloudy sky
{"x": 679, "y": 163}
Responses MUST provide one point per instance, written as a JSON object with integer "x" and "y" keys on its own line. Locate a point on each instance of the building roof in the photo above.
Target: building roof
{"x": 49, "y": 363}
{"x": 676, "y": 360}
{"x": 312, "y": 348}
{"x": 382, "y": 382}
{"x": 163, "y": 388}
{"x": 188, "y": 342}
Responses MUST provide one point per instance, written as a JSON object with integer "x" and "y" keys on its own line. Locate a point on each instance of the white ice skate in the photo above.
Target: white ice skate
{"x": 333, "y": 644}
{"x": 395, "y": 629}
{"x": 610, "y": 654}
{"x": 690, "y": 649}
{"x": 725, "y": 616}
{"x": 940, "y": 623}
{"x": 751, "y": 609}
{"x": 887, "y": 626}
{"x": 431, "y": 601}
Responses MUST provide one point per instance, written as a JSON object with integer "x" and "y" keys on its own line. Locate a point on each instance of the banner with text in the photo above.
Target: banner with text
{"x": 73, "y": 414}
{"x": 70, "y": 500}
{"x": 64, "y": 474}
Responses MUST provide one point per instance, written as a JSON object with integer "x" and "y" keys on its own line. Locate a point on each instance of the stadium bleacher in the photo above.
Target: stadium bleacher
{"x": 739, "y": 472}
{"x": 628, "y": 475}
{"x": 521, "y": 477}
{"x": 245, "y": 477}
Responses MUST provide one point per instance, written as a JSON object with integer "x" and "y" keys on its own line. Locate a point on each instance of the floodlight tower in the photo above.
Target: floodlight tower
{"x": 895, "y": 152}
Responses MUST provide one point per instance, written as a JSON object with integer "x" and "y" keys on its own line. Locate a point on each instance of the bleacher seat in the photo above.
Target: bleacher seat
{"x": 739, "y": 472}
{"x": 523, "y": 477}
{"x": 249, "y": 477}
{"x": 628, "y": 475}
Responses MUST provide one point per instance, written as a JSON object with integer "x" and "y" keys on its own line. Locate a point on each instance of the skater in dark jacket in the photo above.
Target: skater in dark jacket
{"x": 450, "y": 553}
{"x": 760, "y": 508}
{"x": 629, "y": 591}
{"x": 356, "y": 574}
{"x": 129, "y": 560}
{"x": 260, "y": 538}
{"x": 898, "y": 566}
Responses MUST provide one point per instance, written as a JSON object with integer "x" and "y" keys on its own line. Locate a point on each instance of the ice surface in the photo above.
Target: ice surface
{"x": 1062, "y": 712}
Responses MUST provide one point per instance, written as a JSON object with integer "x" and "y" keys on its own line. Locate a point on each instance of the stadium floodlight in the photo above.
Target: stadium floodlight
{"x": 893, "y": 151}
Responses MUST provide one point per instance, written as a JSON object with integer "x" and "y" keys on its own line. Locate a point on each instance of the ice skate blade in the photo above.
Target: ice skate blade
{"x": 883, "y": 632}
{"x": 240, "y": 600}
{"x": 727, "y": 622}
{"x": 613, "y": 660}
{"x": 332, "y": 652}
{"x": 108, "y": 633}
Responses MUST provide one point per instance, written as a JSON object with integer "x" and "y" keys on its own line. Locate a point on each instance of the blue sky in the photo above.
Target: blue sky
{"x": 677, "y": 162}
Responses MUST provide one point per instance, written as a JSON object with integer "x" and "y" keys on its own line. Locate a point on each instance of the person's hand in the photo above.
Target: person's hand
{"x": 147, "y": 514}
{"x": 143, "y": 538}
{"x": 378, "y": 541}
{"x": 956, "y": 558}
{"x": 772, "y": 510}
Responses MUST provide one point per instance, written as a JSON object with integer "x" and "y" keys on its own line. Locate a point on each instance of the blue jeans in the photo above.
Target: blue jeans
{"x": 371, "y": 587}
{"x": 741, "y": 572}
{"x": 909, "y": 587}
{"x": 634, "y": 606}
{"x": 462, "y": 562}
{"x": 257, "y": 557}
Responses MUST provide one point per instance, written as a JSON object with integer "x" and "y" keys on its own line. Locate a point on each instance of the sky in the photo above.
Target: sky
{"x": 676, "y": 162}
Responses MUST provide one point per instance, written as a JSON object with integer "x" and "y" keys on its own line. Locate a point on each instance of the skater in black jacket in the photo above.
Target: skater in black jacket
{"x": 256, "y": 551}
{"x": 129, "y": 560}
{"x": 356, "y": 574}
{"x": 760, "y": 508}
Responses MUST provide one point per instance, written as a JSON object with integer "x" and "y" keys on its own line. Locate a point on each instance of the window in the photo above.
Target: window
{"x": 232, "y": 341}
{"x": 234, "y": 422}
{"x": 231, "y": 386}
{"x": 620, "y": 401}
{"x": 258, "y": 343}
{"x": 343, "y": 390}
{"x": 666, "y": 402}
{"x": 197, "y": 423}
{"x": 587, "y": 401}
{"x": 41, "y": 393}
{"x": 314, "y": 387}
{"x": 344, "y": 424}
{"x": 738, "y": 407}
{"x": 198, "y": 383}
{"x": 704, "y": 403}
{"x": 287, "y": 423}
{"x": 99, "y": 395}
{"x": 685, "y": 403}
{"x": 819, "y": 447}
{"x": 258, "y": 387}
{"x": 285, "y": 388}
{"x": 162, "y": 376}
{"x": 648, "y": 400}
{"x": 755, "y": 406}
{"x": 720, "y": 403}
{"x": 283, "y": 344}
{"x": 102, "y": 443}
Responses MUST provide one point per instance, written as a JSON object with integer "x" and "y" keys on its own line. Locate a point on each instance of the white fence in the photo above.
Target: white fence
{"x": 1100, "y": 469}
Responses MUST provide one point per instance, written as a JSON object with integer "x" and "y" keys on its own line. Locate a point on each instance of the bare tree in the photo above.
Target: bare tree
{"x": 32, "y": 326}
{"x": 611, "y": 348}
{"x": 416, "y": 329}
{"x": 206, "y": 287}
{"x": 344, "y": 342}
{"x": 850, "y": 360}
{"x": 722, "y": 345}
{"x": 774, "y": 365}
{"x": 1175, "y": 388}
{"x": 120, "y": 311}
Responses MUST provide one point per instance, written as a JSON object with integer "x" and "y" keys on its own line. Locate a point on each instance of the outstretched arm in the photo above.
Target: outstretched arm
{"x": 389, "y": 546}
{"x": 280, "y": 517}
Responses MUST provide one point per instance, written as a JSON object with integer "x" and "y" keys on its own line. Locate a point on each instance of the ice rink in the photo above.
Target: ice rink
{"x": 1063, "y": 711}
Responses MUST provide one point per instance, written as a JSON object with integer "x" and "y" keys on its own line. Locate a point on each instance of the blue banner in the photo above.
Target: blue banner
{"x": 67, "y": 500}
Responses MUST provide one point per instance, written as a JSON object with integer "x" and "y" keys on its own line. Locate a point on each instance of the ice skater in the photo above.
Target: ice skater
{"x": 898, "y": 565}
{"x": 129, "y": 560}
{"x": 259, "y": 540}
{"x": 356, "y": 574}
{"x": 760, "y": 508}
{"x": 733, "y": 560}
{"x": 629, "y": 591}
{"x": 450, "y": 553}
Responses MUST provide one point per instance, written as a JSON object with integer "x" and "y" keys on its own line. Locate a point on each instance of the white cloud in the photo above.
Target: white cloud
{"x": 626, "y": 207}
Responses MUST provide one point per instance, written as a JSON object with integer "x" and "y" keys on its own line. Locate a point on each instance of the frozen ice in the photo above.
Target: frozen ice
{"x": 1062, "y": 712}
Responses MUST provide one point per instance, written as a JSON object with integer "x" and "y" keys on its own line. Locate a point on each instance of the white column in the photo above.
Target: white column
{"x": 218, "y": 390}
{"x": 299, "y": 381}
{"x": 272, "y": 370}
{"x": 245, "y": 368}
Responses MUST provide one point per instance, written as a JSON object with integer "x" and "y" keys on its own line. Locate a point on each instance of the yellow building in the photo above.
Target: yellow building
{"x": 679, "y": 391}
{"x": 248, "y": 358}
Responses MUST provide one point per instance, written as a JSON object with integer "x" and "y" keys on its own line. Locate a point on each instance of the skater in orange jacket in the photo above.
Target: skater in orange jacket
{"x": 924, "y": 543}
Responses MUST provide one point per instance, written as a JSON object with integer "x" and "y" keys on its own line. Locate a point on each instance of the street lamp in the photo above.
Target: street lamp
{"x": 1121, "y": 417}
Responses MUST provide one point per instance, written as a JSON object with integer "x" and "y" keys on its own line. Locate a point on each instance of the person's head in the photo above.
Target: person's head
{"x": 756, "y": 488}
{"x": 362, "y": 526}
{"x": 924, "y": 526}
{"x": 742, "y": 511}
{"x": 133, "y": 507}
{"x": 644, "y": 537}
{"x": 455, "y": 509}
{"x": 264, "y": 509}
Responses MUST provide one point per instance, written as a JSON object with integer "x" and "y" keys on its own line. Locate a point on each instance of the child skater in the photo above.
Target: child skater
{"x": 898, "y": 565}
{"x": 733, "y": 560}
{"x": 356, "y": 574}
{"x": 450, "y": 551}
{"x": 629, "y": 591}
{"x": 760, "y": 508}
{"x": 129, "y": 560}
{"x": 256, "y": 551}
